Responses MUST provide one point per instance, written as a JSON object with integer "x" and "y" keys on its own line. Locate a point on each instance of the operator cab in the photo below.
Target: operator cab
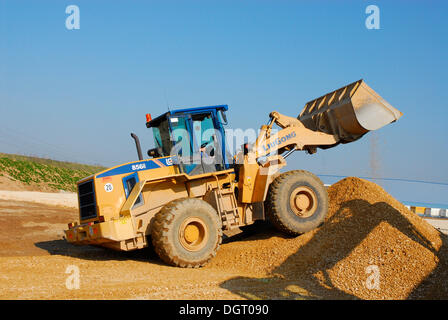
{"x": 194, "y": 137}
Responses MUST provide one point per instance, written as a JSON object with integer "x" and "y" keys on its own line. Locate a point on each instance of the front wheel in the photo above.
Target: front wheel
{"x": 297, "y": 202}
{"x": 187, "y": 233}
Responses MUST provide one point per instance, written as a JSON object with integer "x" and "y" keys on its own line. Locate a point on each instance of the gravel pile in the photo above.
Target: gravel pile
{"x": 370, "y": 247}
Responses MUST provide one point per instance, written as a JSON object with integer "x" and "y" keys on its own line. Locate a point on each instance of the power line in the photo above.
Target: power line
{"x": 389, "y": 179}
{"x": 30, "y": 146}
{"x": 19, "y": 140}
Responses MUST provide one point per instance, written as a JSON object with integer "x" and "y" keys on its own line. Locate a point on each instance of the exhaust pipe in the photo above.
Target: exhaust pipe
{"x": 137, "y": 144}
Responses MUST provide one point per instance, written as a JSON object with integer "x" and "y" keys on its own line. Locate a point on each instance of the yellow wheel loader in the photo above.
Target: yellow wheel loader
{"x": 191, "y": 188}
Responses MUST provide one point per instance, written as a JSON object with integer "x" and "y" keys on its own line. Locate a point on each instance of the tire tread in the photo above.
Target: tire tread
{"x": 160, "y": 238}
{"x": 275, "y": 196}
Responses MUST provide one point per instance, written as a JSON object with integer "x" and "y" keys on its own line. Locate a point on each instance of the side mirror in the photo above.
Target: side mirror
{"x": 155, "y": 152}
{"x": 223, "y": 116}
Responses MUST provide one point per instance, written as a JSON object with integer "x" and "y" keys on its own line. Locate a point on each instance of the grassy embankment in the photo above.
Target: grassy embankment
{"x": 57, "y": 175}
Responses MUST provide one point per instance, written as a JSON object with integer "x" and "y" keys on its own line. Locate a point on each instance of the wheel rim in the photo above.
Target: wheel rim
{"x": 193, "y": 234}
{"x": 303, "y": 202}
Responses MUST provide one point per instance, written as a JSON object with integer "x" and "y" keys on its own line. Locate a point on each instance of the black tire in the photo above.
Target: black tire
{"x": 169, "y": 229}
{"x": 286, "y": 218}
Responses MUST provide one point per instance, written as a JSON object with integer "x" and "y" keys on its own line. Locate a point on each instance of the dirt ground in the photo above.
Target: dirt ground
{"x": 260, "y": 263}
{"x": 34, "y": 259}
{"x": 64, "y": 199}
{"x": 6, "y": 183}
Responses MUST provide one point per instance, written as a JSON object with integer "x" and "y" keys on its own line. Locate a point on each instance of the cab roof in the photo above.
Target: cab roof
{"x": 156, "y": 121}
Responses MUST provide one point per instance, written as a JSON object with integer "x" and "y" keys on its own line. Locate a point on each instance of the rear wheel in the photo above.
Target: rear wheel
{"x": 297, "y": 202}
{"x": 187, "y": 233}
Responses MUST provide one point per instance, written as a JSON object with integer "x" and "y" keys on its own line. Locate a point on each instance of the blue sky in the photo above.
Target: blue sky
{"x": 77, "y": 94}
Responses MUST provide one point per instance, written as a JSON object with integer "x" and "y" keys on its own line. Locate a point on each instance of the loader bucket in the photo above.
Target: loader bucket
{"x": 349, "y": 112}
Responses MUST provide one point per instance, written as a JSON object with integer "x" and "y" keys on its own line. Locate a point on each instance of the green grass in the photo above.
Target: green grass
{"x": 58, "y": 175}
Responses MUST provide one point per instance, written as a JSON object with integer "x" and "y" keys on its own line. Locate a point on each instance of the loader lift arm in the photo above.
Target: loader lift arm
{"x": 255, "y": 174}
{"x": 292, "y": 136}
{"x": 341, "y": 116}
